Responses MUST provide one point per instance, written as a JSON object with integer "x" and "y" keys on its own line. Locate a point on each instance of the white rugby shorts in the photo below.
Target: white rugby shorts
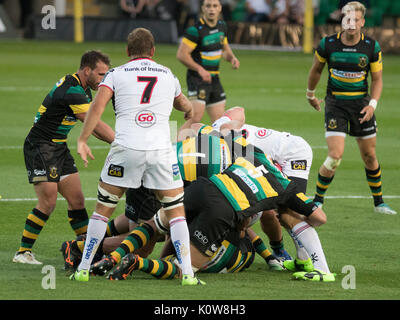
{"x": 298, "y": 158}
{"x": 129, "y": 168}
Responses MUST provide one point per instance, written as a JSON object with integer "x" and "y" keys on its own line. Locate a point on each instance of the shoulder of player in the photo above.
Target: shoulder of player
{"x": 370, "y": 42}
{"x": 70, "y": 84}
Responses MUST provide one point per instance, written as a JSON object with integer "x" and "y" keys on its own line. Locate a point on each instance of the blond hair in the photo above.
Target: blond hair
{"x": 140, "y": 42}
{"x": 354, "y": 6}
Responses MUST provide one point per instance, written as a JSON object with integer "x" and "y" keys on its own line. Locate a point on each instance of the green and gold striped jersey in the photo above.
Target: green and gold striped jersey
{"x": 252, "y": 183}
{"x": 207, "y": 44}
{"x": 56, "y": 116}
{"x": 202, "y": 156}
{"x": 349, "y": 65}
{"x": 231, "y": 256}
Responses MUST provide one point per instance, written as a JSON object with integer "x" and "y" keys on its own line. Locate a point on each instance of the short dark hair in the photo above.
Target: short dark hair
{"x": 90, "y": 59}
{"x": 140, "y": 42}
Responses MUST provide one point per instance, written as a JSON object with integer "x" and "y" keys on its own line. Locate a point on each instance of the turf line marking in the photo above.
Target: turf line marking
{"x": 93, "y": 199}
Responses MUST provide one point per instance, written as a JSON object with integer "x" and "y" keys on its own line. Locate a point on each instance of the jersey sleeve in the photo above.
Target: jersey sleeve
{"x": 77, "y": 99}
{"x": 108, "y": 80}
{"x": 178, "y": 88}
{"x": 191, "y": 37}
{"x": 376, "y": 61}
{"x": 321, "y": 52}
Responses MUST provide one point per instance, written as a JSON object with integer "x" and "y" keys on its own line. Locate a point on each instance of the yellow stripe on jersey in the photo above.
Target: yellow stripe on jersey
{"x": 206, "y": 129}
{"x": 377, "y": 65}
{"x": 189, "y": 43}
{"x": 242, "y": 141}
{"x": 350, "y": 94}
{"x": 225, "y": 40}
{"x": 248, "y": 256}
{"x": 211, "y": 57}
{"x": 235, "y": 191}
{"x": 255, "y": 174}
{"x": 348, "y": 80}
{"x": 68, "y": 123}
{"x": 80, "y": 108}
{"x": 321, "y": 59}
{"x": 214, "y": 72}
{"x": 76, "y": 77}
{"x": 189, "y": 161}
{"x": 59, "y": 140}
{"x": 238, "y": 259}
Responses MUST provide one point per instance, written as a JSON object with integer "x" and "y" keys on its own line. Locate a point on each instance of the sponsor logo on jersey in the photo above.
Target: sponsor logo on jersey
{"x": 115, "y": 171}
{"x": 299, "y": 164}
{"x": 201, "y": 237}
{"x": 246, "y": 180}
{"x": 262, "y": 133}
{"x": 145, "y": 119}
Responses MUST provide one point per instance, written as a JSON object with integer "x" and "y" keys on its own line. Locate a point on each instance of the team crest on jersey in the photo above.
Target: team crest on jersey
{"x": 362, "y": 62}
{"x": 299, "y": 164}
{"x": 53, "y": 172}
{"x": 145, "y": 119}
{"x": 115, "y": 171}
{"x": 332, "y": 124}
{"x": 262, "y": 133}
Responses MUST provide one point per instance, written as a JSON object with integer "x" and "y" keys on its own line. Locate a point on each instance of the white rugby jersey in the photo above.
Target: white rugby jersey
{"x": 270, "y": 141}
{"x": 144, "y": 92}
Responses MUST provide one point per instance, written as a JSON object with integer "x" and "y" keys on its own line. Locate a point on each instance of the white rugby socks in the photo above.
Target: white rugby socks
{"x": 307, "y": 237}
{"x": 180, "y": 239}
{"x": 95, "y": 233}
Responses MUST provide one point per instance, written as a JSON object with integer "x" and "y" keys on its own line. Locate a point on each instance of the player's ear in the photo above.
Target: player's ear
{"x": 152, "y": 51}
{"x": 127, "y": 52}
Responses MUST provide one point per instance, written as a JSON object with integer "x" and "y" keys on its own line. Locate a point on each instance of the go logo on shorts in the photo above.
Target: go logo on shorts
{"x": 145, "y": 119}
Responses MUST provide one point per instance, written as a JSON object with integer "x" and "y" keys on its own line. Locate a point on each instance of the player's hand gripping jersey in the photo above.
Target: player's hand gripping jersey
{"x": 144, "y": 92}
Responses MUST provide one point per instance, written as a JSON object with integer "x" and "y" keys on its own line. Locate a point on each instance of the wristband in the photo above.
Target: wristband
{"x": 310, "y": 91}
{"x": 373, "y": 103}
{"x": 310, "y": 98}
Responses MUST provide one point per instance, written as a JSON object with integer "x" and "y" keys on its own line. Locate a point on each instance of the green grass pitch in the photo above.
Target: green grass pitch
{"x": 271, "y": 86}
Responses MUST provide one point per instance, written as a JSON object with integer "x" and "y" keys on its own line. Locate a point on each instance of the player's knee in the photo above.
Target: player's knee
{"x": 317, "y": 218}
{"x": 331, "y": 163}
{"x": 106, "y": 198}
{"x": 170, "y": 203}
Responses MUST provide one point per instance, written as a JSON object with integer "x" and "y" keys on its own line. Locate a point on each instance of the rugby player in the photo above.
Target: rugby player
{"x": 143, "y": 107}
{"x": 50, "y": 166}
{"x": 349, "y": 107}
{"x": 202, "y": 47}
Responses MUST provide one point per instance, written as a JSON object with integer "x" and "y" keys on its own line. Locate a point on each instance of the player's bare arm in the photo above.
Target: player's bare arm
{"x": 184, "y": 56}
{"x": 183, "y": 104}
{"x": 376, "y": 91}
{"x": 91, "y": 121}
{"x": 313, "y": 79}
{"x": 228, "y": 55}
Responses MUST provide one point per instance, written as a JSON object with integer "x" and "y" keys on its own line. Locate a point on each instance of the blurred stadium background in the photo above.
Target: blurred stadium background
{"x": 105, "y": 20}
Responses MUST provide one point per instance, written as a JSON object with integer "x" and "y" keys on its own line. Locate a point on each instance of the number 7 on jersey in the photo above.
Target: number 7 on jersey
{"x": 148, "y": 90}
